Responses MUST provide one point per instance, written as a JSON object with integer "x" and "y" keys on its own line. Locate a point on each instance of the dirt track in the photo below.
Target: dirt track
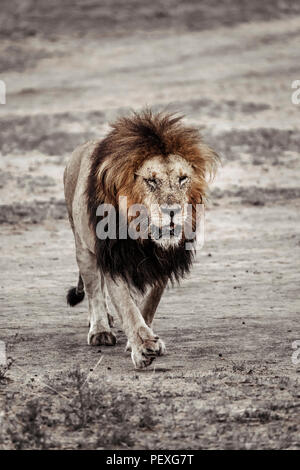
{"x": 228, "y": 380}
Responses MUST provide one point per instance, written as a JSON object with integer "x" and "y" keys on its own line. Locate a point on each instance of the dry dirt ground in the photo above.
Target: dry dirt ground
{"x": 228, "y": 380}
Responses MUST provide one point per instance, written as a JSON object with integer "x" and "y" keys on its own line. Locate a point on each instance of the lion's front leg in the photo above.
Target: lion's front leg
{"x": 145, "y": 346}
{"x": 99, "y": 332}
{"x": 148, "y": 306}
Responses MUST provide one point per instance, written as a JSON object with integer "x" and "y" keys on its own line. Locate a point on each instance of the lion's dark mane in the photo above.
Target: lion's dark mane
{"x": 141, "y": 263}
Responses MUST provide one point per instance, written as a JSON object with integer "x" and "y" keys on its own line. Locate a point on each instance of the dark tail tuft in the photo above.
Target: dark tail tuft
{"x": 74, "y": 297}
{"x": 76, "y": 294}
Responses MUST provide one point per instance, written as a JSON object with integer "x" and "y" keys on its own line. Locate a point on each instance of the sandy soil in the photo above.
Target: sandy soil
{"x": 228, "y": 380}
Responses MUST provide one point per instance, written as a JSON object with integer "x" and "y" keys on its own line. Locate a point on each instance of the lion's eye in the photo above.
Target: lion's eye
{"x": 152, "y": 182}
{"x": 182, "y": 180}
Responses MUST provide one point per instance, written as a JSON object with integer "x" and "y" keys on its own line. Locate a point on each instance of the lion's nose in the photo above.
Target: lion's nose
{"x": 171, "y": 210}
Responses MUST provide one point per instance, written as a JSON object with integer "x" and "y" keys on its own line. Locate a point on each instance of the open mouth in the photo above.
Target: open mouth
{"x": 172, "y": 229}
{"x": 167, "y": 231}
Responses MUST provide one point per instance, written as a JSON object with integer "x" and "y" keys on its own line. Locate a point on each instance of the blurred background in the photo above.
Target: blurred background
{"x": 71, "y": 67}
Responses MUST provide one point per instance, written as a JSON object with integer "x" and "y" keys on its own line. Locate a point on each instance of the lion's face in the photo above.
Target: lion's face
{"x": 155, "y": 161}
{"x": 164, "y": 185}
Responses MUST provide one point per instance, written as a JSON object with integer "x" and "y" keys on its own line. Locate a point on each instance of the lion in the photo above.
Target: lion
{"x": 153, "y": 160}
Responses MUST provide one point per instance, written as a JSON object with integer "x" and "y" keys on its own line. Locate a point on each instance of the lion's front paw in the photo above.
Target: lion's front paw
{"x": 161, "y": 345}
{"x": 146, "y": 349}
{"x": 105, "y": 338}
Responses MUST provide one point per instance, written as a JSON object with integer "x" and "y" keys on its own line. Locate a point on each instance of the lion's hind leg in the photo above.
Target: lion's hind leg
{"x": 111, "y": 320}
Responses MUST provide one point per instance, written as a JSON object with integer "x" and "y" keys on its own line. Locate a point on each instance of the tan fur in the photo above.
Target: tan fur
{"x": 128, "y": 152}
{"x": 138, "y": 147}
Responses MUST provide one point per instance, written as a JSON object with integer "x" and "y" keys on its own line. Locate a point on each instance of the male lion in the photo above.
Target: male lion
{"x": 154, "y": 160}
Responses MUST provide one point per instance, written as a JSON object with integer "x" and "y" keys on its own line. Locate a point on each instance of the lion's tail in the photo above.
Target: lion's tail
{"x": 76, "y": 294}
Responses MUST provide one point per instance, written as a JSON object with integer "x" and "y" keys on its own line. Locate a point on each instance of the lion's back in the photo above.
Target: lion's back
{"x": 75, "y": 173}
